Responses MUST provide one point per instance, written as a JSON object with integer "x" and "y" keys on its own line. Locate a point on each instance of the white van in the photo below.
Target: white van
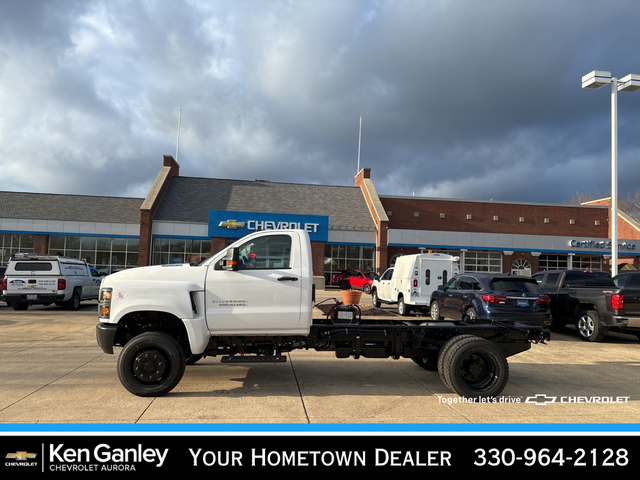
{"x": 412, "y": 279}
{"x": 45, "y": 279}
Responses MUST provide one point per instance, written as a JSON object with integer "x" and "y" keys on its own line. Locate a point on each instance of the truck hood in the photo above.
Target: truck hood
{"x": 179, "y": 272}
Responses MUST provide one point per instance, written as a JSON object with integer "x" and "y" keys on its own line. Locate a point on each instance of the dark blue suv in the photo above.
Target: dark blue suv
{"x": 491, "y": 296}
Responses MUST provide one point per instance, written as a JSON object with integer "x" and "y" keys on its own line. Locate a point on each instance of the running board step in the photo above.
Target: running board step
{"x": 253, "y": 359}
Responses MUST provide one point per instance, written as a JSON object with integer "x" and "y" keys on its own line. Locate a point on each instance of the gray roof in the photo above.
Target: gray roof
{"x": 81, "y": 208}
{"x": 189, "y": 199}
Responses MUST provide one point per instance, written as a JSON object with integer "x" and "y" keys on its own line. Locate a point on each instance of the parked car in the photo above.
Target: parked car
{"x": 343, "y": 276}
{"x": 362, "y": 280}
{"x": 624, "y": 279}
{"x": 490, "y": 296}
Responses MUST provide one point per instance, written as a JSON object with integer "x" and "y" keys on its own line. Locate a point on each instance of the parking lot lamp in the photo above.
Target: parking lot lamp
{"x": 630, "y": 83}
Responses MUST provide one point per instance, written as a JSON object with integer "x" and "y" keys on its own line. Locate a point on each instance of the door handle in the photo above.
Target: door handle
{"x": 287, "y": 279}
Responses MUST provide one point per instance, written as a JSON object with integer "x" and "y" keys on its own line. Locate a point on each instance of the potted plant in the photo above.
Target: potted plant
{"x": 349, "y": 296}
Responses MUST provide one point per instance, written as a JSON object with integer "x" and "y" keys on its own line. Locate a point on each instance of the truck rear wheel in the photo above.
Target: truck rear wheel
{"x": 74, "y": 302}
{"x": 403, "y": 308}
{"x": 375, "y": 300}
{"x": 589, "y": 328}
{"x": 473, "y": 367}
{"x": 151, "y": 364}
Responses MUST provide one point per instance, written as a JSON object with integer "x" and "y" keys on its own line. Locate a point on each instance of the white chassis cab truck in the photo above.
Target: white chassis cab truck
{"x": 253, "y": 302}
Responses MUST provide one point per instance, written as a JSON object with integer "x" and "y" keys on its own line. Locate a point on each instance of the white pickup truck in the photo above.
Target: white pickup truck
{"x": 32, "y": 279}
{"x": 253, "y": 302}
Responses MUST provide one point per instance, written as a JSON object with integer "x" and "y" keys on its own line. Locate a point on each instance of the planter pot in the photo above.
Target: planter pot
{"x": 351, "y": 297}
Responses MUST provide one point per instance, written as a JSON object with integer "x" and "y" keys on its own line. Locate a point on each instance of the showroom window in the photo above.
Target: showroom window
{"x": 180, "y": 250}
{"x": 587, "y": 263}
{"x": 554, "y": 262}
{"x": 105, "y": 253}
{"x": 11, "y": 243}
{"x": 338, "y": 258}
{"x": 482, "y": 262}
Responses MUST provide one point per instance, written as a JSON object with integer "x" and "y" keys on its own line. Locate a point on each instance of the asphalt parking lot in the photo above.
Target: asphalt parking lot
{"x": 52, "y": 371}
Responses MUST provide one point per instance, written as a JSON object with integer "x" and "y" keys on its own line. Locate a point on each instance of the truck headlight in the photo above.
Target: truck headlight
{"x": 104, "y": 306}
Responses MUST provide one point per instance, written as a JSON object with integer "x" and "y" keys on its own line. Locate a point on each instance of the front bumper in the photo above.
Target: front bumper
{"x": 105, "y": 335}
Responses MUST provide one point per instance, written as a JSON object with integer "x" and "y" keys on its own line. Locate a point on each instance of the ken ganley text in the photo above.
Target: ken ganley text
{"x": 104, "y": 457}
{"x": 318, "y": 458}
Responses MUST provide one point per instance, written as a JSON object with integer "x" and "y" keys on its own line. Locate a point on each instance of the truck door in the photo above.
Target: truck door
{"x": 264, "y": 294}
{"x": 384, "y": 286}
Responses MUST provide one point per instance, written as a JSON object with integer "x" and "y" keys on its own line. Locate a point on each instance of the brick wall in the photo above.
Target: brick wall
{"x": 41, "y": 244}
{"x": 464, "y": 216}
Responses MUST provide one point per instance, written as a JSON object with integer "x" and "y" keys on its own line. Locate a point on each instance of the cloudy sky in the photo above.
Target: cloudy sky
{"x": 477, "y": 99}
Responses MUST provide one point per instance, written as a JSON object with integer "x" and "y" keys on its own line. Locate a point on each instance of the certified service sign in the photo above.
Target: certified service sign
{"x": 226, "y": 224}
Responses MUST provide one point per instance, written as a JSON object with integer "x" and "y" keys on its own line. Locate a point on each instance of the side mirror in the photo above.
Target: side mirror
{"x": 232, "y": 260}
{"x": 442, "y": 287}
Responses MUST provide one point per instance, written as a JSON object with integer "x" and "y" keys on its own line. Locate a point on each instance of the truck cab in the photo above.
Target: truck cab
{"x": 260, "y": 285}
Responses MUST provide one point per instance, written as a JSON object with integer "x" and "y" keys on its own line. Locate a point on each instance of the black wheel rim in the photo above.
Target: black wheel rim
{"x": 149, "y": 366}
{"x": 478, "y": 371}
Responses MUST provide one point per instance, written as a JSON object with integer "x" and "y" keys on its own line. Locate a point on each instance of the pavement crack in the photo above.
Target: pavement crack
{"x": 304, "y": 407}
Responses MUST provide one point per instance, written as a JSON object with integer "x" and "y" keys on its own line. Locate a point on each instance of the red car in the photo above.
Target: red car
{"x": 343, "y": 276}
{"x": 362, "y": 280}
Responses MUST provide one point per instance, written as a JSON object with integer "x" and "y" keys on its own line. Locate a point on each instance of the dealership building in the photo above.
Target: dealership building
{"x": 184, "y": 219}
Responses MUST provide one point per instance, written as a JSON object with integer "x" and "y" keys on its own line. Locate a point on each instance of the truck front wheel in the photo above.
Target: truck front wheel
{"x": 151, "y": 364}
{"x": 589, "y": 328}
{"x": 473, "y": 367}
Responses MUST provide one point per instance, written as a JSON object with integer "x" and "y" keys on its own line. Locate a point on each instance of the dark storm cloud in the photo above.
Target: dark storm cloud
{"x": 458, "y": 98}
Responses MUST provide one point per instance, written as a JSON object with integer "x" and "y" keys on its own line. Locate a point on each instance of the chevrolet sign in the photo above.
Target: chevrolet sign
{"x": 226, "y": 224}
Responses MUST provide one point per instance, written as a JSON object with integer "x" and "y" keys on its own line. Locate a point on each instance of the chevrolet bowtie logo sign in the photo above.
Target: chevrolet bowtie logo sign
{"x": 21, "y": 455}
{"x": 231, "y": 224}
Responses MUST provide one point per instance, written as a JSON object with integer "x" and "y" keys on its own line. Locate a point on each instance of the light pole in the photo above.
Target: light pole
{"x": 630, "y": 83}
